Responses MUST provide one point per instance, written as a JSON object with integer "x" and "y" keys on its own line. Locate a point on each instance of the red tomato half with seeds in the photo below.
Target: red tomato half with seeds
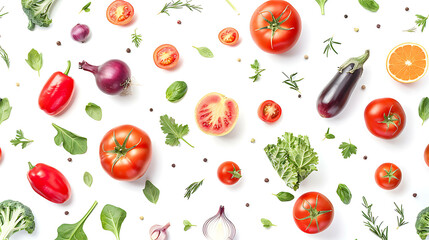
{"x": 120, "y": 12}
{"x": 166, "y": 56}
{"x": 228, "y": 36}
{"x": 269, "y": 111}
{"x": 229, "y": 173}
{"x": 388, "y": 176}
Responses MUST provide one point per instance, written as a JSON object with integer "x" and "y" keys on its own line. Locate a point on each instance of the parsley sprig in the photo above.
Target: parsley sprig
{"x": 330, "y": 46}
{"x": 175, "y": 132}
{"x": 192, "y": 188}
{"x": 400, "y": 218}
{"x": 20, "y": 139}
{"x": 255, "y": 66}
{"x": 371, "y": 222}
{"x": 347, "y": 149}
{"x": 292, "y": 82}
{"x": 136, "y": 38}
{"x": 420, "y": 22}
{"x": 179, "y": 5}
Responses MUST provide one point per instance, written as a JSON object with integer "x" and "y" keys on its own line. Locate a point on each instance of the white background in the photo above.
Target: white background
{"x": 225, "y": 75}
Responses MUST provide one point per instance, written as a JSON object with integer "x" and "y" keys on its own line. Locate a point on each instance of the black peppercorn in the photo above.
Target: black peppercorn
{"x": 414, "y": 194}
{"x": 66, "y": 212}
{"x": 205, "y": 160}
{"x": 58, "y": 43}
{"x": 69, "y": 159}
{"x": 173, "y": 165}
{"x": 365, "y": 157}
{"x": 378, "y": 26}
{"x": 346, "y": 16}
{"x": 407, "y": 9}
{"x": 247, "y": 204}
{"x": 151, "y": 109}
{"x": 299, "y": 95}
{"x": 267, "y": 180}
{"x": 128, "y": 50}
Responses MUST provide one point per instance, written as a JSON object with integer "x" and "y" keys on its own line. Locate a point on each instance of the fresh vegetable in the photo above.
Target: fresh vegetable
{"x": 175, "y": 132}
{"x": 87, "y": 179}
{"x": 179, "y": 5}
{"x": 292, "y": 158}
{"x": 385, "y": 118}
{"x": 424, "y": 109}
{"x": 5, "y": 57}
{"x": 94, "y": 111}
{"x": 229, "y": 173}
{"x": 401, "y": 218}
{"x": 151, "y": 192}
{"x": 228, "y": 36}
{"x": 371, "y": 222}
{"x": 15, "y": 217}
{"x": 72, "y": 143}
{"x": 329, "y": 135}
{"x": 80, "y": 33}
{"x": 292, "y": 82}
{"x": 422, "y": 223}
{"x": 255, "y": 66}
{"x": 275, "y": 26}
{"x": 86, "y": 8}
{"x": 191, "y": 189}
{"x": 166, "y": 56}
{"x": 20, "y": 139}
{"x": 125, "y": 152}
{"x": 426, "y": 155}
{"x": 388, "y": 176}
{"x": 313, "y": 212}
{"x": 49, "y": 183}
{"x": 112, "y": 218}
{"x": 57, "y": 93}
{"x": 158, "y": 232}
{"x": 0, "y": 155}
{"x": 267, "y": 223}
{"x": 35, "y": 60}
{"x": 330, "y": 46}
{"x": 420, "y": 22}
{"x": 284, "y": 196}
{"x": 5, "y": 109}
{"x": 369, "y": 5}
{"x": 347, "y": 149}
{"x": 219, "y": 226}
{"x": 407, "y": 62}
{"x": 216, "y": 114}
{"x": 112, "y": 77}
{"x": 120, "y": 12}
{"x": 188, "y": 225}
{"x": 344, "y": 193}
{"x": 204, "y": 51}
{"x": 136, "y": 38}
{"x": 269, "y": 111}
{"x": 37, "y": 12}
{"x": 322, "y": 5}
{"x": 74, "y": 231}
{"x": 176, "y": 91}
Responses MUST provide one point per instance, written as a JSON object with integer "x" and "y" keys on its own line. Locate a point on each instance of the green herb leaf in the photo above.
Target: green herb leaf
{"x": 284, "y": 196}
{"x": 369, "y": 5}
{"x": 330, "y": 46}
{"x": 86, "y": 8}
{"x": 424, "y": 109}
{"x": 255, "y": 66}
{"x": 35, "y": 60}
{"x": 94, "y": 111}
{"x": 371, "y": 222}
{"x": 329, "y": 135}
{"x": 401, "y": 218}
{"x": 74, "y": 231}
{"x": 322, "y": 5}
{"x": 205, "y": 52}
{"x": 267, "y": 223}
{"x": 421, "y": 21}
{"x": 179, "y": 5}
{"x": 136, "y": 38}
{"x": 347, "y": 149}
{"x": 87, "y": 179}
{"x": 192, "y": 188}
{"x": 5, "y": 57}
{"x": 176, "y": 91}
{"x": 72, "y": 143}
{"x": 20, "y": 139}
{"x": 151, "y": 192}
{"x": 112, "y": 218}
{"x": 188, "y": 225}
{"x": 292, "y": 82}
{"x": 344, "y": 193}
{"x": 2, "y": 14}
{"x": 174, "y": 131}
{"x": 5, "y": 109}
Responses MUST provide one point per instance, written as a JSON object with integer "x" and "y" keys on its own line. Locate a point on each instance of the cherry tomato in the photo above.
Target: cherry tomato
{"x": 125, "y": 152}
{"x": 166, "y": 56}
{"x": 426, "y": 155}
{"x": 0, "y": 154}
{"x": 269, "y": 111}
{"x": 388, "y": 176}
{"x": 229, "y": 173}
{"x": 228, "y": 36}
{"x": 385, "y": 118}
{"x": 313, "y": 212}
{"x": 120, "y": 12}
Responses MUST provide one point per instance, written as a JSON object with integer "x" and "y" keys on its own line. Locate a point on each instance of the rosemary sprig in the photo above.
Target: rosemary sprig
{"x": 420, "y": 22}
{"x": 2, "y": 14}
{"x": 401, "y": 220}
{"x": 179, "y": 5}
{"x": 192, "y": 188}
{"x": 292, "y": 82}
{"x": 136, "y": 38}
{"x": 330, "y": 46}
{"x": 3, "y": 54}
{"x": 20, "y": 139}
{"x": 371, "y": 222}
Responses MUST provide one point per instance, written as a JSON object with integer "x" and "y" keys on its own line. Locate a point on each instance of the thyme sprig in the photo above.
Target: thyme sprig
{"x": 292, "y": 82}
{"x": 330, "y": 46}
{"x": 400, "y": 218}
{"x": 179, "y": 5}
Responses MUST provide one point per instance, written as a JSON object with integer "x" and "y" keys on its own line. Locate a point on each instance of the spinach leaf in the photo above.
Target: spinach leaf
{"x": 74, "y": 231}
{"x": 87, "y": 179}
{"x": 151, "y": 192}
{"x": 112, "y": 218}
{"x": 94, "y": 111}
{"x": 35, "y": 60}
{"x": 5, "y": 109}
{"x": 205, "y": 52}
{"x": 344, "y": 193}
{"x": 369, "y": 5}
{"x": 72, "y": 143}
{"x": 284, "y": 196}
{"x": 176, "y": 91}
{"x": 424, "y": 109}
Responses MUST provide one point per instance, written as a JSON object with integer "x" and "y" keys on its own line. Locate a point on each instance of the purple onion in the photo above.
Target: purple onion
{"x": 80, "y": 32}
{"x": 219, "y": 227}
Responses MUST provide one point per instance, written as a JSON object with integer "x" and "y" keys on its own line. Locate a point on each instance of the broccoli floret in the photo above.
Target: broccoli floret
{"x": 37, "y": 12}
{"x": 14, "y": 217}
{"x": 422, "y": 223}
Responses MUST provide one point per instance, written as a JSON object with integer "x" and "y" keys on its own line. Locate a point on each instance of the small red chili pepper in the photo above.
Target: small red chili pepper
{"x": 49, "y": 183}
{"x": 57, "y": 92}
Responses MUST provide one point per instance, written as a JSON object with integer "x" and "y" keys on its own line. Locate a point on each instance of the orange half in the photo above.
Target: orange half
{"x": 407, "y": 62}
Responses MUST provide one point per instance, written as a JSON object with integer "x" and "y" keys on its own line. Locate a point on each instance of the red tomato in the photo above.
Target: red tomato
{"x": 269, "y": 111}
{"x": 125, "y": 152}
{"x": 229, "y": 173}
{"x": 49, "y": 183}
{"x": 120, "y": 12}
{"x": 275, "y": 26}
{"x": 0, "y": 155}
{"x": 426, "y": 155}
{"x": 385, "y": 118}
{"x": 313, "y": 212}
{"x": 228, "y": 36}
{"x": 166, "y": 56}
{"x": 388, "y": 176}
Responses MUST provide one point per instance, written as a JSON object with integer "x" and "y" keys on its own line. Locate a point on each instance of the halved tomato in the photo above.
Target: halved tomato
{"x": 228, "y": 36}
{"x": 216, "y": 114}
{"x": 166, "y": 56}
{"x": 269, "y": 111}
{"x": 120, "y": 12}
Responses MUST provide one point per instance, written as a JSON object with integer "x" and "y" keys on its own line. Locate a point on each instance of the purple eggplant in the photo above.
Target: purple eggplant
{"x": 336, "y": 94}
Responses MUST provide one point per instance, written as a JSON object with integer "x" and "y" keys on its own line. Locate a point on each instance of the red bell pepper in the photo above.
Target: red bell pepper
{"x": 49, "y": 183}
{"x": 57, "y": 92}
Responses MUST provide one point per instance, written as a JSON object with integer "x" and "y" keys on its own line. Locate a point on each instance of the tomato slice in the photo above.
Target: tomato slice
{"x": 120, "y": 12}
{"x": 228, "y": 36}
{"x": 166, "y": 56}
{"x": 269, "y": 111}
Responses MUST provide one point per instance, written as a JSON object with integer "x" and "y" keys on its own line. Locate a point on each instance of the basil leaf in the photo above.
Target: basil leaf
{"x": 369, "y": 5}
{"x": 176, "y": 91}
{"x": 74, "y": 231}
{"x": 87, "y": 179}
{"x": 94, "y": 111}
{"x": 424, "y": 109}
{"x": 86, "y": 8}
{"x": 188, "y": 225}
{"x": 344, "y": 193}
{"x": 112, "y": 218}
{"x": 284, "y": 196}
{"x": 72, "y": 143}
{"x": 35, "y": 60}
{"x": 205, "y": 52}
{"x": 151, "y": 192}
{"x": 266, "y": 223}
{"x": 5, "y": 109}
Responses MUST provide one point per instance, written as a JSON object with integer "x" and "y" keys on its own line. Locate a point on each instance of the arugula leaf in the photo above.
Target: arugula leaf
{"x": 188, "y": 225}
{"x": 20, "y": 139}
{"x": 344, "y": 193}
{"x": 255, "y": 66}
{"x": 284, "y": 196}
{"x": 94, "y": 111}
{"x": 35, "y": 60}
{"x": 5, "y": 109}
{"x": 205, "y": 52}
{"x": 86, "y": 8}
{"x": 267, "y": 223}
{"x": 74, "y": 231}
{"x": 112, "y": 218}
{"x": 322, "y": 5}
{"x": 151, "y": 192}
{"x": 369, "y": 5}
{"x": 87, "y": 179}
{"x": 174, "y": 131}
{"x": 329, "y": 135}
{"x": 424, "y": 109}
{"x": 72, "y": 143}
{"x": 348, "y": 149}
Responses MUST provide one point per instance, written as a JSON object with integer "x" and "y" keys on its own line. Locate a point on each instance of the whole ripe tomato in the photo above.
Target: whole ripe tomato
{"x": 229, "y": 173}
{"x": 269, "y": 111}
{"x": 426, "y": 155}
{"x": 125, "y": 152}
{"x": 120, "y": 12}
{"x": 166, "y": 56}
{"x": 228, "y": 36}
{"x": 275, "y": 26}
{"x": 313, "y": 212}
{"x": 388, "y": 176}
{"x": 385, "y": 118}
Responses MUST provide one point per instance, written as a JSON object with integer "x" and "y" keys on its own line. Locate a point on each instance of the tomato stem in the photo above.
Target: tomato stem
{"x": 30, "y": 165}
{"x": 68, "y": 68}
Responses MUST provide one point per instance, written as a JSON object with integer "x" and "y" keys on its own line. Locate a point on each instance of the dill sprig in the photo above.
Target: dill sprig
{"x": 330, "y": 46}
{"x": 136, "y": 38}
{"x": 192, "y": 188}
{"x": 420, "y": 22}
{"x": 401, "y": 219}
{"x": 3, "y": 54}
{"x": 292, "y": 82}
{"x": 371, "y": 222}
{"x": 2, "y": 14}
{"x": 179, "y": 5}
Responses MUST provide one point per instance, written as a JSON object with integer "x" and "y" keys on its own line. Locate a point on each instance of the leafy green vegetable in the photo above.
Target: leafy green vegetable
{"x": 15, "y": 217}
{"x": 205, "y": 52}
{"x": 74, "y": 231}
{"x": 176, "y": 91}
{"x": 174, "y": 131}
{"x": 344, "y": 193}
{"x": 112, "y": 218}
{"x": 330, "y": 46}
{"x": 191, "y": 189}
{"x": 86, "y": 8}
{"x": 5, "y": 109}
{"x": 267, "y": 223}
{"x": 179, "y": 5}
{"x": 422, "y": 223}
{"x": 401, "y": 217}
{"x": 72, "y": 143}
{"x": 322, "y": 5}
{"x": 94, "y": 111}
{"x": 371, "y": 222}
{"x": 284, "y": 196}
{"x": 136, "y": 38}
{"x": 37, "y": 12}
{"x": 5, "y": 57}
{"x": 369, "y": 5}
{"x": 20, "y": 139}
{"x": 87, "y": 179}
{"x": 188, "y": 225}
{"x": 255, "y": 66}
{"x": 292, "y": 82}
{"x": 151, "y": 192}
{"x": 329, "y": 135}
{"x": 347, "y": 149}
{"x": 424, "y": 109}
{"x": 293, "y": 158}
{"x": 35, "y": 60}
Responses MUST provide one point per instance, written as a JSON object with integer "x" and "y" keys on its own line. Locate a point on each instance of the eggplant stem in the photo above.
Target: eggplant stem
{"x": 356, "y": 61}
